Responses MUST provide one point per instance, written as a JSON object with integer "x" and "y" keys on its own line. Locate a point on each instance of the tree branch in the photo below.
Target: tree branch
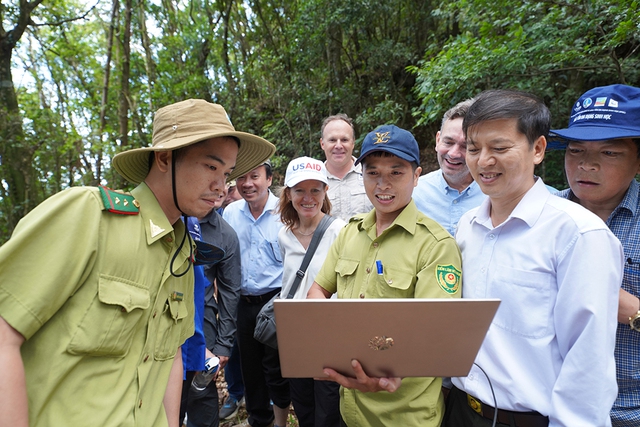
{"x": 62, "y": 21}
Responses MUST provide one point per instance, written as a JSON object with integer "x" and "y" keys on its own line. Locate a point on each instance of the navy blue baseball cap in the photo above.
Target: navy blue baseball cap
{"x": 602, "y": 113}
{"x": 206, "y": 253}
{"x": 391, "y": 139}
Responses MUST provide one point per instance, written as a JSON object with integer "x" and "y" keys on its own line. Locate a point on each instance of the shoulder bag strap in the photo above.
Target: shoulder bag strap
{"x": 325, "y": 222}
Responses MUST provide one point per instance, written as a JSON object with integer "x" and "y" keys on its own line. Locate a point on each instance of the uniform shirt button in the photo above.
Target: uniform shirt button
{"x": 146, "y": 358}
{"x": 155, "y": 313}
{"x": 368, "y": 270}
{"x": 140, "y": 404}
{"x": 361, "y": 295}
{"x": 169, "y": 239}
{"x": 375, "y": 245}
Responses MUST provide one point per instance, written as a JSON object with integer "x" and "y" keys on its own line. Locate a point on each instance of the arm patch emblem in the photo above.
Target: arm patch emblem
{"x": 449, "y": 278}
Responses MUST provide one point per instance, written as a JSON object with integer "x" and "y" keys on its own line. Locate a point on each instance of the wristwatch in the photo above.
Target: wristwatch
{"x": 634, "y": 321}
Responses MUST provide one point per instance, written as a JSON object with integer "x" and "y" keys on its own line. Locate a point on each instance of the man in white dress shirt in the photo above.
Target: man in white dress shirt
{"x": 547, "y": 359}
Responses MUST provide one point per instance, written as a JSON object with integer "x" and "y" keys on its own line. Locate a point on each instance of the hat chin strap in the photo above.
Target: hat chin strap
{"x": 184, "y": 220}
{"x": 173, "y": 183}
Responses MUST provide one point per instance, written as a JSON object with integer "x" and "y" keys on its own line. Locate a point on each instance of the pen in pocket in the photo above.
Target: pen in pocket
{"x": 379, "y": 266}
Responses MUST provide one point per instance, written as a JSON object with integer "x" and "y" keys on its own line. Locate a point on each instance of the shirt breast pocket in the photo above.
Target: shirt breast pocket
{"x": 273, "y": 251}
{"x": 170, "y": 328}
{"x": 358, "y": 191}
{"x": 346, "y": 274}
{"x": 527, "y": 301}
{"x": 111, "y": 319}
{"x": 393, "y": 283}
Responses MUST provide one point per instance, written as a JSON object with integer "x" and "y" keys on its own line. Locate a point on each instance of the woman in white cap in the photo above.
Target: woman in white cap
{"x": 303, "y": 205}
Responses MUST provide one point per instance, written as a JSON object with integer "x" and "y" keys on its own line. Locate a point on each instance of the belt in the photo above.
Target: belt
{"x": 518, "y": 419}
{"x": 257, "y": 299}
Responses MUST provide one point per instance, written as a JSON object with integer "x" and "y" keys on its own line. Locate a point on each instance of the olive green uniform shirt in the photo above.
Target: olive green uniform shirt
{"x": 420, "y": 259}
{"x": 91, "y": 292}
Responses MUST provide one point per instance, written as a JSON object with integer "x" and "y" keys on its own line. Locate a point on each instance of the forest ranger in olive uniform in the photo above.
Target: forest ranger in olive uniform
{"x": 394, "y": 251}
{"x": 94, "y": 304}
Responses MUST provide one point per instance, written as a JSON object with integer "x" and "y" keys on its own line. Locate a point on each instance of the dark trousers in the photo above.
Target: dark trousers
{"x": 260, "y": 368}
{"x": 233, "y": 373}
{"x": 316, "y": 403}
{"x": 458, "y": 413}
{"x": 201, "y": 407}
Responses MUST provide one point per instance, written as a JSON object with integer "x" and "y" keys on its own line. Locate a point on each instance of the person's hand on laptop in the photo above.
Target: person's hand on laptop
{"x": 362, "y": 382}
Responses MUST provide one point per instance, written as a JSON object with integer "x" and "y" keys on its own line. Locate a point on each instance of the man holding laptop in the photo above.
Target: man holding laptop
{"x": 369, "y": 259}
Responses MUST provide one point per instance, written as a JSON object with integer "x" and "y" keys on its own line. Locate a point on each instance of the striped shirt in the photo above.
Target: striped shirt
{"x": 624, "y": 222}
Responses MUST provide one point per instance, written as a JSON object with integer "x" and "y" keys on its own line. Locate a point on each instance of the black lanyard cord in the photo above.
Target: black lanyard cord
{"x": 175, "y": 255}
{"x": 184, "y": 220}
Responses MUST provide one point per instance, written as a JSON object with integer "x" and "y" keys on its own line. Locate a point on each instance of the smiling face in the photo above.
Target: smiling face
{"x": 254, "y": 187}
{"x": 307, "y": 197}
{"x": 337, "y": 142}
{"x": 502, "y": 161}
{"x": 451, "y": 147}
{"x": 600, "y": 172}
{"x": 201, "y": 173}
{"x": 389, "y": 182}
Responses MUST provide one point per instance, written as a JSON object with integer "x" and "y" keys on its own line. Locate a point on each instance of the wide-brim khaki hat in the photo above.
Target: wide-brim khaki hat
{"x": 188, "y": 122}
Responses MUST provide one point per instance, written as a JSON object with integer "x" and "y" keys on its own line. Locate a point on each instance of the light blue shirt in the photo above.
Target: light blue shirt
{"x": 259, "y": 250}
{"x": 444, "y": 204}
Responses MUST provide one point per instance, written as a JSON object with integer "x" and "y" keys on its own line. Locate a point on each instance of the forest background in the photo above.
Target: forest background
{"x": 80, "y": 80}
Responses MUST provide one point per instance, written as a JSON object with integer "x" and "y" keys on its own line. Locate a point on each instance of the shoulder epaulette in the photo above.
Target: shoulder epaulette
{"x": 434, "y": 227}
{"x": 117, "y": 202}
{"x": 357, "y": 218}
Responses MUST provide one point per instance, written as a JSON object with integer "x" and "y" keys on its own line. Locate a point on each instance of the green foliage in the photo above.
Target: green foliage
{"x": 279, "y": 67}
{"x": 557, "y": 50}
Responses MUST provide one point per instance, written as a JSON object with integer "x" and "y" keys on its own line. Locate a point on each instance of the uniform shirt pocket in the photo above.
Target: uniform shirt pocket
{"x": 393, "y": 283}
{"x": 111, "y": 318}
{"x": 358, "y": 191}
{"x": 345, "y": 275}
{"x": 170, "y": 328}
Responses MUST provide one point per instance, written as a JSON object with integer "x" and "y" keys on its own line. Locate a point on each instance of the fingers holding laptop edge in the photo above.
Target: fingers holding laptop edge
{"x": 362, "y": 381}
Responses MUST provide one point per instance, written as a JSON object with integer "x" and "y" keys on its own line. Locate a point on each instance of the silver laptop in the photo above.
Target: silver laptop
{"x": 390, "y": 337}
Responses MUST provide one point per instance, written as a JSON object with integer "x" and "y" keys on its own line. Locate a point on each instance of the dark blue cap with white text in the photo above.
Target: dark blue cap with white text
{"x": 206, "y": 253}
{"x": 602, "y": 113}
{"x": 391, "y": 139}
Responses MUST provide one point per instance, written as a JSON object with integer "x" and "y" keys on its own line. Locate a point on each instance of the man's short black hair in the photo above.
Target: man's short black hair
{"x": 268, "y": 169}
{"x": 533, "y": 117}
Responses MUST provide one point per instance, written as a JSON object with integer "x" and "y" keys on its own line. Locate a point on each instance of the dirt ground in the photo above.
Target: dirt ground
{"x": 242, "y": 412}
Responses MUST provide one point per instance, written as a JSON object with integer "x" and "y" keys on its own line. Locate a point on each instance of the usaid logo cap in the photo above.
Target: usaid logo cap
{"x": 304, "y": 168}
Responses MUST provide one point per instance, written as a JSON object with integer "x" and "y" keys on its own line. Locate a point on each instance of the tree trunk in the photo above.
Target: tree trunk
{"x": 149, "y": 62}
{"x": 15, "y": 164}
{"x": 15, "y": 157}
{"x": 105, "y": 86}
{"x": 124, "y": 104}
